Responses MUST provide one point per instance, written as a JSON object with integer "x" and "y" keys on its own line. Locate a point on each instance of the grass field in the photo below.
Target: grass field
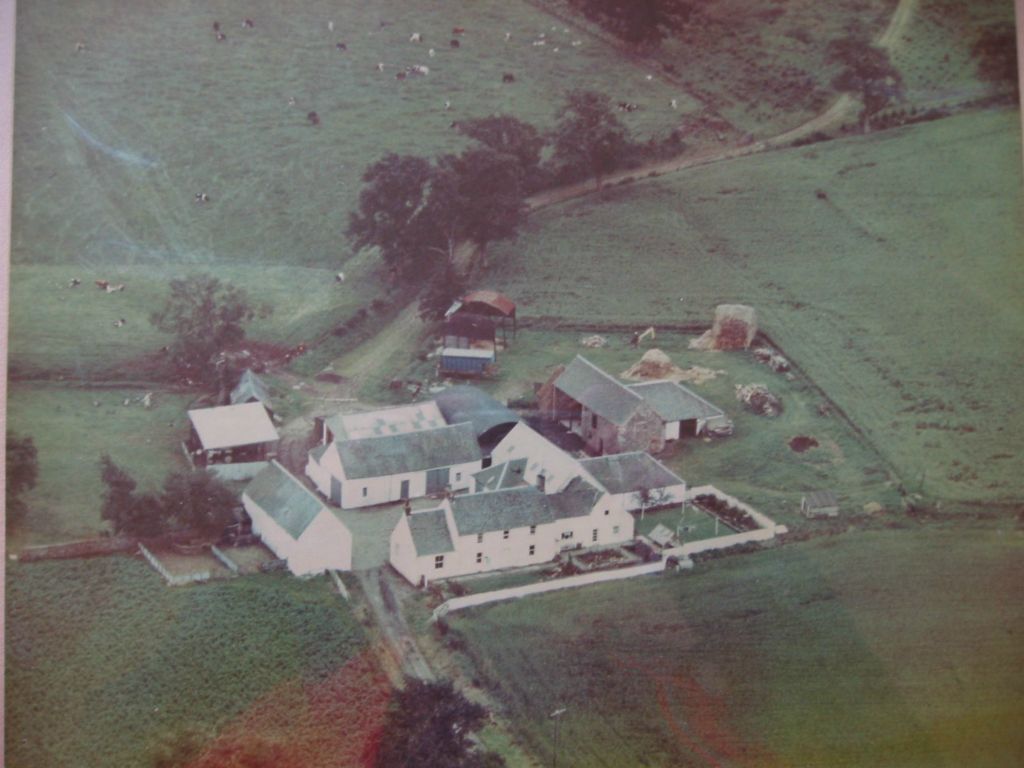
{"x": 897, "y": 291}
{"x": 890, "y": 647}
{"x": 103, "y": 662}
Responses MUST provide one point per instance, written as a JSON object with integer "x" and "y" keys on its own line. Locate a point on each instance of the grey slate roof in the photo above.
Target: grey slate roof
{"x": 466, "y": 403}
{"x": 318, "y": 452}
{"x": 508, "y": 474}
{"x": 501, "y": 510}
{"x": 408, "y": 452}
{"x": 284, "y": 498}
{"x": 588, "y": 385}
{"x": 674, "y": 402}
{"x": 250, "y": 387}
{"x": 628, "y": 472}
{"x": 430, "y": 532}
{"x": 577, "y": 499}
{"x": 821, "y": 499}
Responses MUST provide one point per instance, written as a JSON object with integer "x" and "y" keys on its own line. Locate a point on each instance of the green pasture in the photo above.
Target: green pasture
{"x": 890, "y": 647}
{"x": 103, "y": 661}
{"x": 885, "y": 266}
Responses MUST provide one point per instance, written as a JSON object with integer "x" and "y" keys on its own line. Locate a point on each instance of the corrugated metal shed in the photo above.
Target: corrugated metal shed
{"x": 230, "y": 426}
{"x": 465, "y": 360}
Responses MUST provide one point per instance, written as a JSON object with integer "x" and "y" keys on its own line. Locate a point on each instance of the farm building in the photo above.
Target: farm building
{"x": 488, "y": 304}
{"x": 820, "y": 504}
{"x": 546, "y": 465}
{"x": 490, "y": 419}
{"x": 683, "y": 412}
{"x": 384, "y": 421}
{"x": 251, "y": 389}
{"x": 376, "y": 470}
{"x": 500, "y": 477}
{"x": 630, "y": 477}
{"x": 240, "y": 435}
{"x": 503, "y": 529}
{"x": 466, "y": 362}
{"x": 465, "y": 331}
{"x": 294, "y": 524}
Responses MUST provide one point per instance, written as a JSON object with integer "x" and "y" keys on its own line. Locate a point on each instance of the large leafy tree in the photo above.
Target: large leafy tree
{"x": 199, "y": 501}
{"x": 206, "y": 317}
{"x": 866, "y": 73}
{"x": 640, "y": 22}
{"x": 507, "y": 135}
{"x": 589, "y": 136}
{"x": 430, "y": 725}
{"x": 129, "y": 513}
{"x": 22, "y": 467}
{"x": 996, "y": 53}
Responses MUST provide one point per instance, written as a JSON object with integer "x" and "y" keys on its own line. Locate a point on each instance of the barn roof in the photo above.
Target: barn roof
{"x": 629, "y": 472}
{"x": 250, "y": 387}
{"x": 408, "y": 452}
{"x": 821, "y": 499}
{"x": 284, "y": 498}
{"x": 674, "y": 402}
{"x": 508, "y": 474}
{"x": 489, "y": 302}
{"x": 386, "y": 421}
{"x": 501, "y": 510}
{"x": 229, "y": 426}
{"x": 429, "y": 531}
{"x": 466, "y": 403}
{"x": 588, "y": 385}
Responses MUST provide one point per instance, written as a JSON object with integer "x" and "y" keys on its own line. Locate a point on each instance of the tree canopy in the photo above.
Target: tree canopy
{"x": 507, "y": 135}
{"x": 995, "y": 51}
{"x": 589, "y": 136}
{"x": 639, "y": 22}
{"x": 206, "y": 316}
{"x": 22, "y": 467}
{"x": 129, "y": 513}
{"x": 866, "y": 73}
{"x": 198, "y": 501}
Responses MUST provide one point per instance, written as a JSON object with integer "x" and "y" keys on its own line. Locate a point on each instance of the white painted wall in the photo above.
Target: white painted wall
{"x": 403, "y": 552}
{"x": 365, "y": 492}
{"x": 326, "y": 542}
{"x": 541, "y": 455}
{"x": 671, "y": 430}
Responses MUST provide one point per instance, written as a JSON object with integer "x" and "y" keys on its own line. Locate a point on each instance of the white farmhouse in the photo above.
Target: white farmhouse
{"x": 295, "y": 524}
{"x": 547, "y": 466}
{"x": 635, "y": 480}
{"x": 378, "y": 470}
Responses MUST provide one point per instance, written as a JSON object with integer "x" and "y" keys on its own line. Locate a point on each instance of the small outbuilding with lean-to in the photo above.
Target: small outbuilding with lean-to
{"x": 239, "y": 435}
{"x": 820, "y": 504}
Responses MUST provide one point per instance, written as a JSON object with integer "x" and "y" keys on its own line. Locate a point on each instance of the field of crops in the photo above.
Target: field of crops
{"x": 891, "y": 277}
{"x": 104, "y": 663}
{"x": 849, "y": 651}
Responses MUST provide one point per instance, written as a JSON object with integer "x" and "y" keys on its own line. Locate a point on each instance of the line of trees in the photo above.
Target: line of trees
{"x": 22, "y": 470}
{"x": 643, "y": 23}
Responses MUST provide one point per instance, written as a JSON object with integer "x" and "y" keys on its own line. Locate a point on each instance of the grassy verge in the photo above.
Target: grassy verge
{"x": 104, "y": 662}
{"x": 822, "y": 653}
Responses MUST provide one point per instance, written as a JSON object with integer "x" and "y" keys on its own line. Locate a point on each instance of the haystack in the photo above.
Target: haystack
{"x": 655, "y": 364}
{"x": 734, "y": 327}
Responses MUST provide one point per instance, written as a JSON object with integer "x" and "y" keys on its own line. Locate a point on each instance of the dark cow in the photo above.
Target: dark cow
{"x": 508, "y": 77}
{"x": 454, "y": 43}
{"x": 313, "y": 118}
{"x": 341, "y": 46}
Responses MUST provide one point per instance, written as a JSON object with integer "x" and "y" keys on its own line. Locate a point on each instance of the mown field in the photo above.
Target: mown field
{"x": 104, "y": 663}
{"x": 857, "y": 650}
{"x": 886, "y": 266}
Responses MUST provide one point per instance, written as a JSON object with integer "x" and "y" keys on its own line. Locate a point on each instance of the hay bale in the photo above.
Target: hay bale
{"x": 655, "y": 364}
{"x": 594, "y": 342}
{"x": 734, "y": 327}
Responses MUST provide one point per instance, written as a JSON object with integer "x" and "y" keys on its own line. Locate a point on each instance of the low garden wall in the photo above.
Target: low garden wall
{"x": 175, "y": 580}
{"x": 230, "y": 564}
{"x": 765, "y": 522}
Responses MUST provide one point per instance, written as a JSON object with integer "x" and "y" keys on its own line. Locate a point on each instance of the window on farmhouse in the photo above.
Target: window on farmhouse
{"x": 594, "y": 537}
{"x": 533, "y": 529}
{"x": 541, "y": 480}
{"x": 606, "y": 513}
{"x": 439, "y": 561}
{"x": 615, "y": 529}
{"x": 365, "y": 491}
{"x": 566, "y": 534}
{"x": 533, "y": 549}
{"x": 479, "y": 538}
{"x": 479, "y": 557}
{"x": 504, "y": 534}
{"x": 458, "y": 476}
{"x": 593, "y": 421}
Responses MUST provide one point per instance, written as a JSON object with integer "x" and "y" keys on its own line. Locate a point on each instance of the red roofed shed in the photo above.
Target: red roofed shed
{"x": 488, "y": 303}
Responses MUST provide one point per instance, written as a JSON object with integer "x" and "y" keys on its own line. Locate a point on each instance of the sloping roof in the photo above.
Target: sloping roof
{"x": 508, "y": 474}
{"x": 318, "y": 452}
{"x": 674, "y": 402}
{"x": 430, "y": 532}
{"x": 466, "y": 403}
{"x": 408, "y": 452}
{"x": 821, "y": 499}
{"x": 588, "y": 385}
{"x": 501, "y": 510}
{"x": 284, "y": 498}
{"x": 250, "y": 387}
{"x": 661, "y": 535}
{"x": 577, "y": 499}
{"x": 498, "y": 302}
{"x": 386, "y": 421}
{"x": 629, "y": 472}
{"x": 230, "y": 426}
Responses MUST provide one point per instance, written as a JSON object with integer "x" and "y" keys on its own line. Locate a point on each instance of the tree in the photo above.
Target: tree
{"x": 996, "y": 53}
{"x": 206, "y": 316}
{"x": 22, "y": 467}
{"x": 430, "y": 725}
{"x": 639, "y": 22}
{"x": 589, "y": 136}
{"x": 648, "y": 497}
{"x": 508, "y": 135}
{"x": 129, "y": 513}
{"x": 447, "y": 286}
{"x": 866, "y": 73}
{"x": 199, "y": 501}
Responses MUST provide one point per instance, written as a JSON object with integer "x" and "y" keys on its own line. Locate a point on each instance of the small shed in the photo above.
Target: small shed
{"x": 489, "y": 304}
{"x": 820, "y": 504}
{"x": 231, "y": 434}
{"x": 662, "y": 536}
{"x": 467, "y": 362}
{"x": 251, "y": 389}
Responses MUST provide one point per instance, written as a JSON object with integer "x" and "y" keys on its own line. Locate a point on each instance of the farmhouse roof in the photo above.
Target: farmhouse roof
{"x": 408, "y": 452}
{"x": 284, "y": 498}
{"x": 674, "y": 402}
{"x": 501, "y": 510}
{"x": 386, "y": 421}
{"x": 629, "y": 472}
{"x": 250, "y": 387}
{"x": 508, "y": 474}
{"x": 496, "y": 303}
{"x": 229, "y": 426}
{"x": 588, "y": 385}
{"x": 577, "y": 499}
{"x": 429, "y": 531}
{"x": 821, "y": 499}
{"x": 465, "y": 403}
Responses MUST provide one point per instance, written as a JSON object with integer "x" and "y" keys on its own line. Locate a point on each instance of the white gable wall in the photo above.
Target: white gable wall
{"x": 403, "y": 552}
{"x": 326, "y": 542}
{"x": 542, "y": 456}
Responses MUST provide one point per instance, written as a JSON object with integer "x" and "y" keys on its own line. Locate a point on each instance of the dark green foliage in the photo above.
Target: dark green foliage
{"x": 640, "y": 22}
{"x": 198, "y": 501}
{"x": 589, "y": 136}
{"x": 429, "y": 725}
{"x": 206, "y": 316}
{"x": 508, "y": 135}
{"x": 448, "y": 286}
{"x": 996, "y": 53}
{"x": 867, "y": 74}
{"x": 129, "y": 513}
{"x": 22, "y": 467}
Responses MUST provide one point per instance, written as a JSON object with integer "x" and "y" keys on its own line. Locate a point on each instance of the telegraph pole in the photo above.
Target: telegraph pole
{"x": 556, "y": 716}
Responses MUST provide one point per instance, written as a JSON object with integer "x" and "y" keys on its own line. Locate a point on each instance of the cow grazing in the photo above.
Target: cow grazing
{"x": 508, "y": 77}
{"x": 330, "y": 26}
{"x": 221, "y": 37}
{"x": 120, "y": 322}
{"x": 576, "y": 43}
{"x": 75, "y": 282}
{"x": 458, "y": 30}
{"x": 416, "y": 37}
{"x": 431, "y": 53}
{"x": 399, "y": 75}
{"x": 314, "y": 118}
{"x": 79, "y": 46}
{"x": 447, "y": 104}
{"x": 216, "y": 26}
{"x": 202, "y": 197}
{"x": 341, "y": 46}
{"x": 454, "y": 43}
{"x": 508, "y": 36}
{"x": 102, "y": 284}
{"x": 115, "y": 288}
{"x": 380, "y": 66}
{"x": 675, "y": 104}
{"x": 340, "y": 277}
{"x": 247, "y": 24}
